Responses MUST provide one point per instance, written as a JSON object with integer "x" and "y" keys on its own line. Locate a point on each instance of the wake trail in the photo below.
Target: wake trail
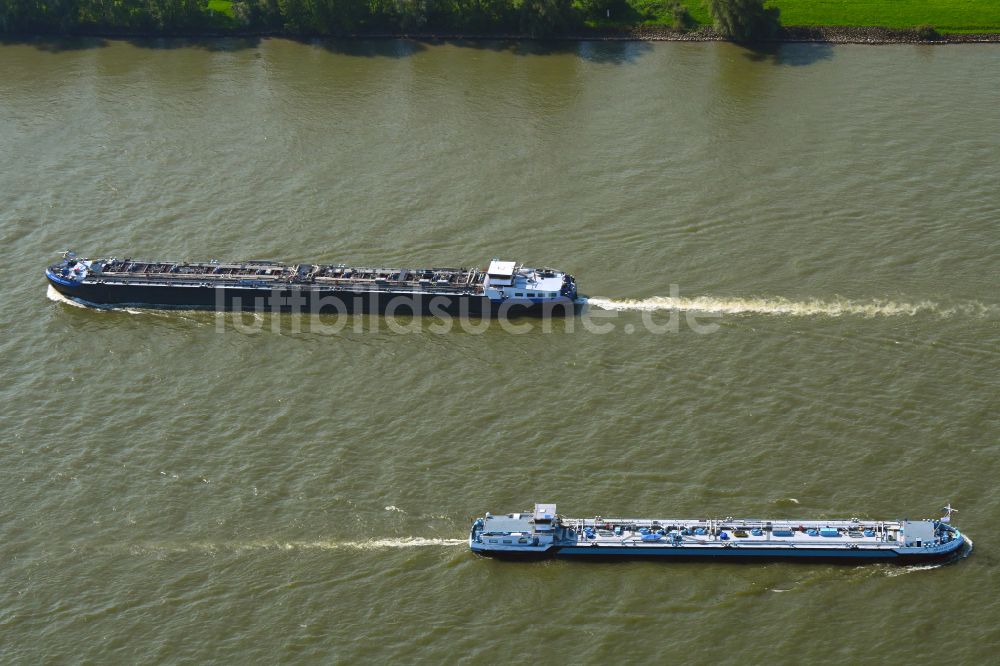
{"x": 368, "y": 545}
{"x": 912, "y": 568}
{"x": 783, "y": 306}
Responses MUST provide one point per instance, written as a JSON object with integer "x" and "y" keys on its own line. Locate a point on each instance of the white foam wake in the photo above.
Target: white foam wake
{"x": 241, "y": 546}
{"x": 408, "y": 542}
{"x": 912, "y": 568}
{"x": 783, "y": 306}
{"x": 963, "y": 553}
{"x": 54, "y": 295}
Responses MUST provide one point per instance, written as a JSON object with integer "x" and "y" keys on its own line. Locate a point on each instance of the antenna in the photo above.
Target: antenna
{"x": 946, "y": 518}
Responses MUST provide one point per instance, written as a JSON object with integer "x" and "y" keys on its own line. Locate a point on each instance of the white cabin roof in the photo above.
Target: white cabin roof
{"x": 545, "y": 511}
{"x": 501, "y": 268}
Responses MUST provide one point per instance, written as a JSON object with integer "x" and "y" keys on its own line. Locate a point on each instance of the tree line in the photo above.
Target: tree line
{"x": 739, "y": 19}
{"x": 331, "y": 17}
{"x": 74, "y": 16}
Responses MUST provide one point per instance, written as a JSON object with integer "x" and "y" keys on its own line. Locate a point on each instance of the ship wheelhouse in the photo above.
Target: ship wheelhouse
{"x": 517, "y": 532}
{"x": 507, "y": 280}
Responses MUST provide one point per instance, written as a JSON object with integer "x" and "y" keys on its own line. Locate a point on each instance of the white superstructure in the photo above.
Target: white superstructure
{"x": 507, "y": 280}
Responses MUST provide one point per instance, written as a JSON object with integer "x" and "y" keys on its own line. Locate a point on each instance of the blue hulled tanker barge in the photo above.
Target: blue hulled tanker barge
{"x": 503, "y": 288}
{"x": 544, "y": 533}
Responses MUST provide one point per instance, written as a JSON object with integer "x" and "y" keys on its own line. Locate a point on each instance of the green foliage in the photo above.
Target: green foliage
{"x": 604, "y": 9}
{"x": 69, "y": 16}
{"x": 39, "y": 15}
{"x": 337, "y": 17}
{"x": 744, "y": 20}
{"x": 541, "y": 18}
{"x": 296, "y": 15}
{"x": 403, "y": 15}
{"x": 927, "y": 33}
{"x": 682, "y": 17}
{"x": 260, "y": 14}
{"x": 340, "y": 16}
{"x": 176, "y": 14}
{"x": 669, "y": 12}
{"x": 485, "y": 15}
{"x": 326, "y": 17}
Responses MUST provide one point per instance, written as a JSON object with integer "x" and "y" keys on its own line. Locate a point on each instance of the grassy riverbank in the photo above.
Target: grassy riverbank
{"x": 946, "y": 16}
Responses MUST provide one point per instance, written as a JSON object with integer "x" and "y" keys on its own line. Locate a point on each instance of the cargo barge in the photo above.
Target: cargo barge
{"x": 544, "y": 533}
{"x": 504, "y": 288}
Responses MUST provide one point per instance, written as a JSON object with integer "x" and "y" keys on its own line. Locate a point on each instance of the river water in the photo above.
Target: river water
{"x": 791, "y": 259}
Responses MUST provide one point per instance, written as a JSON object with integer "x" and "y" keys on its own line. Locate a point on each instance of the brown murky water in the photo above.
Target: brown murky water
{"x": 176, "y": 490}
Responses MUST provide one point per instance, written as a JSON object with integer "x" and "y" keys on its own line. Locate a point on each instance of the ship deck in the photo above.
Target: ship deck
{"x": 624, "y": 531}
{"x": 271, "y": 274}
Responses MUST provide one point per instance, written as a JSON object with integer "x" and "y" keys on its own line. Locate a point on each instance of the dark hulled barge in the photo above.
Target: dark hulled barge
{"x": 544, "y": 533}
{"x": 504, "y": 288}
